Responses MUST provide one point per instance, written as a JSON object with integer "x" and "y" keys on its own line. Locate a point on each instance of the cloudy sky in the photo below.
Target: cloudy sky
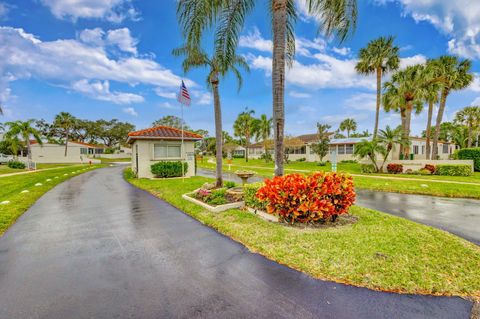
{"x": 112, "y": 59}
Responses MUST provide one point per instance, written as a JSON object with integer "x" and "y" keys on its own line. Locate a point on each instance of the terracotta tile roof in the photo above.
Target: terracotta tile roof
{"x": 163, "y": 132}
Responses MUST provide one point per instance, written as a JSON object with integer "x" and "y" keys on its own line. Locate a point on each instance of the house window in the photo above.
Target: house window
{"x": 423, "y": 149}
{"x": 333, "y": 148}
{"x": 349, "y": 149}
{"x": 445, "y": 149}
{"x": 83, "y": 150}
{"x": 415, "y": 149}
{"x": 166, "y": 151}
{"x": 341, "y": 149}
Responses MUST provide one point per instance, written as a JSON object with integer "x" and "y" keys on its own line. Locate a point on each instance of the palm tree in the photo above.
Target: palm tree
{"x": 470, "y": 117}
{"x": 244, "y": 127}
{"x": 431, "y": 95}
{"x": 378, "y": 57}
{"x": 66, "y": 122}
{"x": 369, "y": 149}
{"x": 264, "y": 131}
{"x": 25, "y": 130}
{"x": 348, "y": 125}
{"x": 405, "y": 93}
{"x": 195, "y": 16}
{"x": 218, "y": 67}
{"x": 389, "y": 138}
{"x": 452, "y": 74}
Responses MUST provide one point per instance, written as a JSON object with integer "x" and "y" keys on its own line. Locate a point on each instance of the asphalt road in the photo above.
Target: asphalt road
{"x": 458, "y": 216}
{"x": 96, "y": 247}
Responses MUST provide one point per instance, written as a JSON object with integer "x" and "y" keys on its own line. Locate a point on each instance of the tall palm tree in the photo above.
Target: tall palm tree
{"x": 25, "y": 130}
{"x": 453, "y": 74}
{"x": 348, "y": 125}
{"x": 246, "y": 126}
{"x": 404, "y": 93}
{"x": 195, "y": 16}
{"x": 378, "y": 57}
{"x": 470, "y": 117}
{"x": 431, "y": 94}
{"x": 264, "y": 131}
{"x": 217, "y": 67}
{"x": 389, "y": 138}
{"x": 66, "y": 122}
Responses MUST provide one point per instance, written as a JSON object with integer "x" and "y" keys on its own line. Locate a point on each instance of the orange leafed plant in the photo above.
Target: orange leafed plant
{"x": 306, "y": 199}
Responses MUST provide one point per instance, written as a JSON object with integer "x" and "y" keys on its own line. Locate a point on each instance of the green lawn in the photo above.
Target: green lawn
{"x": 380, "y": 251}
{"x": 12, "y": 186}
{"x": 4, "y": 169}
{"x": 112, "y": 160}
{"x": 420, "y": 184}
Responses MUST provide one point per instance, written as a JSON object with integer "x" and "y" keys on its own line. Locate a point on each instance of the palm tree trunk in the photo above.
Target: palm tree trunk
{"x": 470, "y": 133}
{"x": 247, "y": 144}
{"x": 379, "y": 96}
{"x": 218, "y": 133}
{"x": 404, "y": 125}
{"x": 67, "y": 133}
{"x": 441, "y": 109}
{"x": 278, "y": 80}
{"x": 429, "y": 128}
{"x": 408, "y": 120}
{"x": 29, "y": 155}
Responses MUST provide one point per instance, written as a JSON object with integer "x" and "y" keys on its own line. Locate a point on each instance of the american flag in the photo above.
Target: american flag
{"x": 183, "y": 96}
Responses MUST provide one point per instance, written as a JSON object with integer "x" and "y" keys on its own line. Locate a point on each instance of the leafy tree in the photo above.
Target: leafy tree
{"x": 370, "y": 149}
{"x": 171, "y": 121}
{"x": 389, "y": 138}
{"x": 453, "y": 74}
{"x": 65, "y": 122}
{"x": 291, "y": 143}
{"x": 245, "y": 127}
{"x": 348, "y": 125}
{"x": 322, "y": 145}
{"x": 264, "y": 131}
{"x": 24, "y": 130}
{"x": 195, "y": 17}
{"x": 470, "y": 117}
{"x": 114, "y": 132}
{"x": 338, "y": 135}
{"x": 218, "y": 67}
{"x": 378, "y": 57}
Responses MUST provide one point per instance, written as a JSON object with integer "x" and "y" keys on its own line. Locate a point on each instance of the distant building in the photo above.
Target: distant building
{"x": 77, "y": 152}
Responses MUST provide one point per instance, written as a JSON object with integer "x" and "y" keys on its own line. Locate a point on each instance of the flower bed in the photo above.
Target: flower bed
{"x": 215, "y": 200}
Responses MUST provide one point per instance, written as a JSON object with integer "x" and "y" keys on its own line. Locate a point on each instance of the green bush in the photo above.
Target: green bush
{"x": 238, "y": 156}
{"x": 368, "y": 168}
{"x": 302, "y": 159}
{"x": 453, "y": 170}
{"x": 229, "y": 184}
{"x": 168, "y": 169}
{"x": 16, "y": 165}
{"x": 251, "y": 200}
{"x": 217, "y": 197}
{"x": 349, "y": 161}
{"x": 470, "y": 154}
{"x": 267, "y": 157}
{"x": 322, "y": 164}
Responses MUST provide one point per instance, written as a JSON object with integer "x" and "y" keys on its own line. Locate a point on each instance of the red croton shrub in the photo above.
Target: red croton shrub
{"x": 431, "y": 168}
{"x": 306, "y": 199}
{"x": 395, "y": 168}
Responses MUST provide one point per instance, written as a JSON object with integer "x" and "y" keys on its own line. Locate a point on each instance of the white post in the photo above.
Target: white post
{"x": 182, "y": 148}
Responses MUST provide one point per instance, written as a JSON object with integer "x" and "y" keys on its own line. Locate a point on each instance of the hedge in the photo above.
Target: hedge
{"x": 16, "y": 165}
{"x": 394, "y": 168}
{"x": 368, "y": 168}
{"x": 453, "y": 169}
{"x": 250, "y": 196}
{"x": 470, "y": 154}
{"x": 168, "y": 169}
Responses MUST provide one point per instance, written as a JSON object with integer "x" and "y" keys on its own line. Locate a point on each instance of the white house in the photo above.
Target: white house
{"x": 161, "y": 143}
{"x": 77, "y": 152}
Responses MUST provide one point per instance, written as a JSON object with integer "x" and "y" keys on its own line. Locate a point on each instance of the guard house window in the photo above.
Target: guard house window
{"x": 341, "y": 149}
{"x": 166, "y": 151}
{"x": 84, "y": 150}
{"x": 349, "y": 149}
{"x": 445, "y": 149}
{"x": 415, "y": 149}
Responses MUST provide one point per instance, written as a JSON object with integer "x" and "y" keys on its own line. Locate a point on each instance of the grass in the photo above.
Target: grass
{"x": 112, "y": 160}
{"x": 417, "y": 184}
{"x": 4, "y": 169}
{"x": 380, "y": 251}
{"x": 12, "y": 186}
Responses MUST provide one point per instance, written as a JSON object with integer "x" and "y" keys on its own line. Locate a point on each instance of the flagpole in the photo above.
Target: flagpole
{"x": 183, "y": 148}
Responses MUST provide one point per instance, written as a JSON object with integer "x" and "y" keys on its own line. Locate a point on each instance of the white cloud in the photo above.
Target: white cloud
{"x": 341, "y": 51}
{"x": 100, "y": 90}
{"x": 201, "y": 98}
{"x": 475, "y": 86}
{"x": 119, "y": 38}
{"x": 130, "y": 111}
{"x": 111, "y": 10}
{"x": 254, "y": 40}
{"x": 92, "y": 36}
{"x": 4, "y": 9}
{"x": 361, "y": 102}
{"x": 476, "y": 101}
{"x": 166, "y": 105}
{"x": 168, "y": 94}
{"x": 416, "y": 59}
{"x": 299, "y": 95}
{"x": 458, "y": 19}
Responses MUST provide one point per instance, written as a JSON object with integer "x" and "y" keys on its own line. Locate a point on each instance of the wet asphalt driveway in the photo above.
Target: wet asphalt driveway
{"x": 96, "y": 247}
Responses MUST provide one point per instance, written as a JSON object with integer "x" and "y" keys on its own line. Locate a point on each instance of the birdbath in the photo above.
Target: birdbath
{"x": 244, "y": 175}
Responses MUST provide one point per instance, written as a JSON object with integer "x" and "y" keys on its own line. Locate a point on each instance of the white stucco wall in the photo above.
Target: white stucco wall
{"x": 55, "y": 153}
{"x": 146, "y": 156}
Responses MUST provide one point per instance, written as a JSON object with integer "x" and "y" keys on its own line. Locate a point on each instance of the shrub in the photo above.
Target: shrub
{"x": 250, "y": 196}
{"x": 307, "y": 199}
{"x": 322, "y": 164}
{"x": 16, "y": 165}
{"x": 229, "y": 184}
{"x": 267, "y": 157}
{"x": 302, "y": 159}
{"x": 424, "y": 171}
{"x": 217, "y": 197}
{"x": 470, "y": 154}
{"x": 454, "y": 169}
{"x": 168, "y": 169}
{"x": 368, "y": 168}
{"x": 394, "y": 168}
{"x": 349, "y": 161}
{"x": 238, "y": 156}
{"x": 430, "y": 168}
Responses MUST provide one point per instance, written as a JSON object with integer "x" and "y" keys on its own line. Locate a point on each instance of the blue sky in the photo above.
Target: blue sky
{"x": 112, "y": 59}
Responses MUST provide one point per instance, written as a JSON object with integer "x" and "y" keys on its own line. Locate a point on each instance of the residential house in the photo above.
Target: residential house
{"x": 77, "y": 152}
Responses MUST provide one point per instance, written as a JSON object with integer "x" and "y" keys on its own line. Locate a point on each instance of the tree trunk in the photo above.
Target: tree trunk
{"x": 408, "y": 120}
{"x": 29, "y": 155}
{"x": 247, "y": 144}
{"x": 428, "y": 131}
{"x": 404, "y": 125}
{"x": 66, "y": 141}
{"x": 441, "y": 109}
{"x": 379, "y": 96}
{"x": 278, "y": 80}
{"x": 470, "y": 133}
{"x": 218, "y": 133}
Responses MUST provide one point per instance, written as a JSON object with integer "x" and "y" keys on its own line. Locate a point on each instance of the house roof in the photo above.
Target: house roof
{"x": 162, "y": 132}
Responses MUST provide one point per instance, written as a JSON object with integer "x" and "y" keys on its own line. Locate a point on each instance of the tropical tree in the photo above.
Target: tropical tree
{"x": 195, "y": 16}
{"x": 389, "y": 138}
{"x": 322, "y": 145}
{"x": 348, "y": 125}
{"x": 65, "y": 122}
{"x": 470, "y": 117}
{"x": 218, "y": 67}
{"x": 431, "y": 95}
{"x": 245, "y": 127}
{"x": 369, "y": 149}
{"x": 404, "y": 93}
{"x": 24, "y": 130}
{"x": 378, "y": 57}
{"x": 171, "y": 121}
{"x": 264, "y": 131}
{"x": 453, "y": 74}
